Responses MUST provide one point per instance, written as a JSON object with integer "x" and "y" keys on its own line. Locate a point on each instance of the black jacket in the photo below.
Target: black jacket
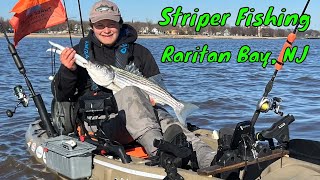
{"x": 69, "y": 85}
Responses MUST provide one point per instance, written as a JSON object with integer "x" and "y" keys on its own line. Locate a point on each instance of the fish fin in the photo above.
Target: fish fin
{"x": 132, "y": 68}
{"x": 187, "y": 109}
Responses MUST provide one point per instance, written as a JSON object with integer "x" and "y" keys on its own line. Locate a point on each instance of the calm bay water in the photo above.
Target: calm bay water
{"x": 226, "y": 93}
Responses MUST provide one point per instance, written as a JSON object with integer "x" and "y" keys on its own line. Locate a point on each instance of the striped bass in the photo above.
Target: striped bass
{"x": 116, "y": 79}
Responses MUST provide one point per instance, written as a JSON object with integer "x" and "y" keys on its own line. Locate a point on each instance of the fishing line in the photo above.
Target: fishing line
{"x": 53, "y": 64}
{"x": 52, "y": 59}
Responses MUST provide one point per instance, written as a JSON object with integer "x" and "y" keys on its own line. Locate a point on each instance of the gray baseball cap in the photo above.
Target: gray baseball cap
{"x": 104, "y": 10}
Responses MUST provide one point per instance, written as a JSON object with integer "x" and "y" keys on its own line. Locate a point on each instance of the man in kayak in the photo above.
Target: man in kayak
{"x": 138, "y": 119}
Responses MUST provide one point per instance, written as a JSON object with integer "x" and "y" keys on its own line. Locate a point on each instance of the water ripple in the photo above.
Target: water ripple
{"x": 226, "y": 93}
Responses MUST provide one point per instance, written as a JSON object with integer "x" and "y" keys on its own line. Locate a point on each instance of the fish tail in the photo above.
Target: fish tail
{"x": 183, "y": 112}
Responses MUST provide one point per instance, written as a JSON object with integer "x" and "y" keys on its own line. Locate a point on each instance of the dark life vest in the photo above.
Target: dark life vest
{"x": 123, "y": 53}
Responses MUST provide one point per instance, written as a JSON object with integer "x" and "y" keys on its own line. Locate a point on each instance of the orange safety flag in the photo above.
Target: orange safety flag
{"x": 23, "y": 5}
{"x": 38, "y": 17}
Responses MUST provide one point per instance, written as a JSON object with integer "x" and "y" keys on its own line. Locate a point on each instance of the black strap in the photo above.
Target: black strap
{"x": 86, "y": 52}
{"x": 122, "y": 55}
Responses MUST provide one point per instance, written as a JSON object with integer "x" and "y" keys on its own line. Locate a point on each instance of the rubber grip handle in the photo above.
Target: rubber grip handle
{"x": 290, "y": 39}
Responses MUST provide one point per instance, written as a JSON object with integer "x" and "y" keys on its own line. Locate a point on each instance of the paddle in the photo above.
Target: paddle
{"x": 216, "y": 169}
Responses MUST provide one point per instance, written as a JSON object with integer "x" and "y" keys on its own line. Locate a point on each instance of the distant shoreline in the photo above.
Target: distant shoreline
{"x": 144, "y": 36}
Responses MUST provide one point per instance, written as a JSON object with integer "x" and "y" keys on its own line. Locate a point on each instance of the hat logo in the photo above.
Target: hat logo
{"x": 104, "y": 8}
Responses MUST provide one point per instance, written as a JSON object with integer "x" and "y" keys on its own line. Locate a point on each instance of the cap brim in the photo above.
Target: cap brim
{"x": 103, "y": 17}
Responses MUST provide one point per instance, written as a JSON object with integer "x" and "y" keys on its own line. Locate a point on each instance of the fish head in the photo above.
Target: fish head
{"x": 102, "y": 75}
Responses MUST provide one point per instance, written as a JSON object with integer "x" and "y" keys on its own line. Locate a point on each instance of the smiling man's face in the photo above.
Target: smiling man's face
{"x": 107, "y": 31}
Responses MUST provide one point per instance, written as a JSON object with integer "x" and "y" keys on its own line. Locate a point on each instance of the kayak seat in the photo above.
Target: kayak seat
{"x": 138, "y": 152}
{"x": 305, "y": 150}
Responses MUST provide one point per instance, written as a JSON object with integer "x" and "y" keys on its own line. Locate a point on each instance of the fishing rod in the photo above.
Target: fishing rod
{"x": 82, "y": 30}
{"x": 53, "y": 59}
{"x": 263, "y": 104}
{"x": 36, "y": 97}
{"x": 71, "y": 43}
{"x": 65, "y": 9}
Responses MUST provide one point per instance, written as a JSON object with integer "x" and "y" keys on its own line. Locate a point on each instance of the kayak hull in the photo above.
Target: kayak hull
{"x": 106, "y": 167}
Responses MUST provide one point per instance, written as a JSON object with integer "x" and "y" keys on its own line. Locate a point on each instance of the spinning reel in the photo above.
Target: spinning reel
{"x": 266, "y": 104}
{"x": 22, "y": 98}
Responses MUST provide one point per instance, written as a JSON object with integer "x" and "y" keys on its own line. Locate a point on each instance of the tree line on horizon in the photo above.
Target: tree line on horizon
{"x": 75, "y": 27}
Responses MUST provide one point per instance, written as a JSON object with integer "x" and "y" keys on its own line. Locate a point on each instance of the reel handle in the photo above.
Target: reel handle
{"x": 10, "y": 113}
{"x": 22, "y": 98}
